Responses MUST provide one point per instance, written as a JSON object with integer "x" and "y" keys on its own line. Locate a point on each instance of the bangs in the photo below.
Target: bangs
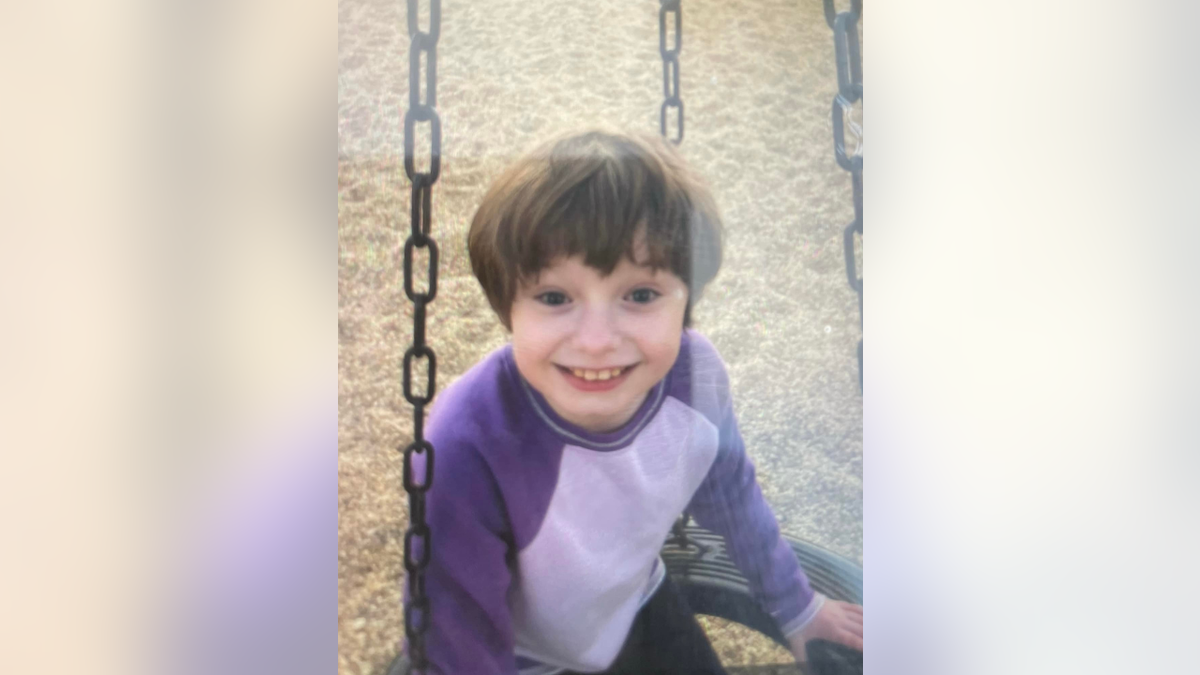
{"x": 604, "y": 209}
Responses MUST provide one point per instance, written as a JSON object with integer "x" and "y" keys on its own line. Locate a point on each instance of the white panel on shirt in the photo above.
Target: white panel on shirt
{"x": 581, "y": 580}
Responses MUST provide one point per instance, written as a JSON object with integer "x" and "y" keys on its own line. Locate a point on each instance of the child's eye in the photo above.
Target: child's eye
{"x": 552, "y": 298}
{"x": 644, "y": 295}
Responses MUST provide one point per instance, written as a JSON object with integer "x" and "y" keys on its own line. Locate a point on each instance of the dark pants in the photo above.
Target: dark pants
{"x": 666, "y": 640}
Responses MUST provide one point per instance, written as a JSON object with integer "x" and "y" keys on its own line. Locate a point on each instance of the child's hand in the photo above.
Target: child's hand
{"x": 836, "y": 621}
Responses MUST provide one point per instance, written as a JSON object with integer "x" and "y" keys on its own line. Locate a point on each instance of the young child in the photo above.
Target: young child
{"x": 564, "y": 458}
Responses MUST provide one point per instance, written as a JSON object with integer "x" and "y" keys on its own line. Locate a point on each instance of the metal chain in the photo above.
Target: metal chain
{"x": 671, "y": 99}
{"x": 670, "y": 59}
{"x": 417, "y": 539}
{"x": 850, "y": 91}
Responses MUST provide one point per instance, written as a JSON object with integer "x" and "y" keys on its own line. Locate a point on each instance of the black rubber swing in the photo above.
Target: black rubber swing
{"x": 694, "y": 557}
{"x": 713, "y": 585}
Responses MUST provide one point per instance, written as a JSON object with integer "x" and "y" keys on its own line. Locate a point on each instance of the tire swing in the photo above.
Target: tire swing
{"x": 694, "y": 557}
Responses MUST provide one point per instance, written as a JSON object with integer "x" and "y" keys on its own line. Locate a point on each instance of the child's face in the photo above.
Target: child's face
{"x": 572, "y": 328}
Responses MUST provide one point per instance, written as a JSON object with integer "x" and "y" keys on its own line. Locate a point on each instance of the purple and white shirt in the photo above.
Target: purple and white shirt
{"x": 546, "y": 537}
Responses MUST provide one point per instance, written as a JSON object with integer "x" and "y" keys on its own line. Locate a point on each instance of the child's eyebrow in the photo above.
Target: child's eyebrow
{"x": 653, "y": 270}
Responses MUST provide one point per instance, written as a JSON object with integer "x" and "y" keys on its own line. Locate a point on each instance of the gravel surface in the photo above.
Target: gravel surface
{"x": 757, "y": 82}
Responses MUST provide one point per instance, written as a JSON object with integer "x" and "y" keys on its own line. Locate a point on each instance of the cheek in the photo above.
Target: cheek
{"x": 528, "y": 349}
{"x": 666, "y": 353}
{"x": 662, "y": 346}
{"x": 534, "y": 340}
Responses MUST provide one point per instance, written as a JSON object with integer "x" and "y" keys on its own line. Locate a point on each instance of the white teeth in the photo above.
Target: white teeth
{"x": 592, "y": 375}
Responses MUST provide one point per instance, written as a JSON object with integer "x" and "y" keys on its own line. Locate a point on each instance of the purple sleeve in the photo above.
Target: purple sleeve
{"x": 730, "y": 503}
{"x": 468, "y": 577}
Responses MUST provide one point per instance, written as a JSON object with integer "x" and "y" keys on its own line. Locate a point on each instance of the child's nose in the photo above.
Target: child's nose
{"x": 597, "y": 330}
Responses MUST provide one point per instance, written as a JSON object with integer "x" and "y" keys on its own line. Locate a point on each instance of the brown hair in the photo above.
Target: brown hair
{"x": 595, "y": 194}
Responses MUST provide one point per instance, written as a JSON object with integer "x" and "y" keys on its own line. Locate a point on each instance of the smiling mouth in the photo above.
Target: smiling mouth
{"x": 602, "y": 375}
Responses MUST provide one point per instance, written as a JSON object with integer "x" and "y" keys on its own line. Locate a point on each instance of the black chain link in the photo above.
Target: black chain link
{"x": 831, "y": 13}
{"x": 670, "y": 59}
{"x": 418, "y": 536}
{"x": 671, "y": 99}
{"x": 848, "y": 52}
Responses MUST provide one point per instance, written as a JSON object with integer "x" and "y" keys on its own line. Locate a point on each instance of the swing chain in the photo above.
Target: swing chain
{"x": 848, "y": 52}
{"x": 418, "y": 538}
{"x": 671, "y": 99}
{"x": 670, "y": 59}
{"x": 831, "y": 12}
